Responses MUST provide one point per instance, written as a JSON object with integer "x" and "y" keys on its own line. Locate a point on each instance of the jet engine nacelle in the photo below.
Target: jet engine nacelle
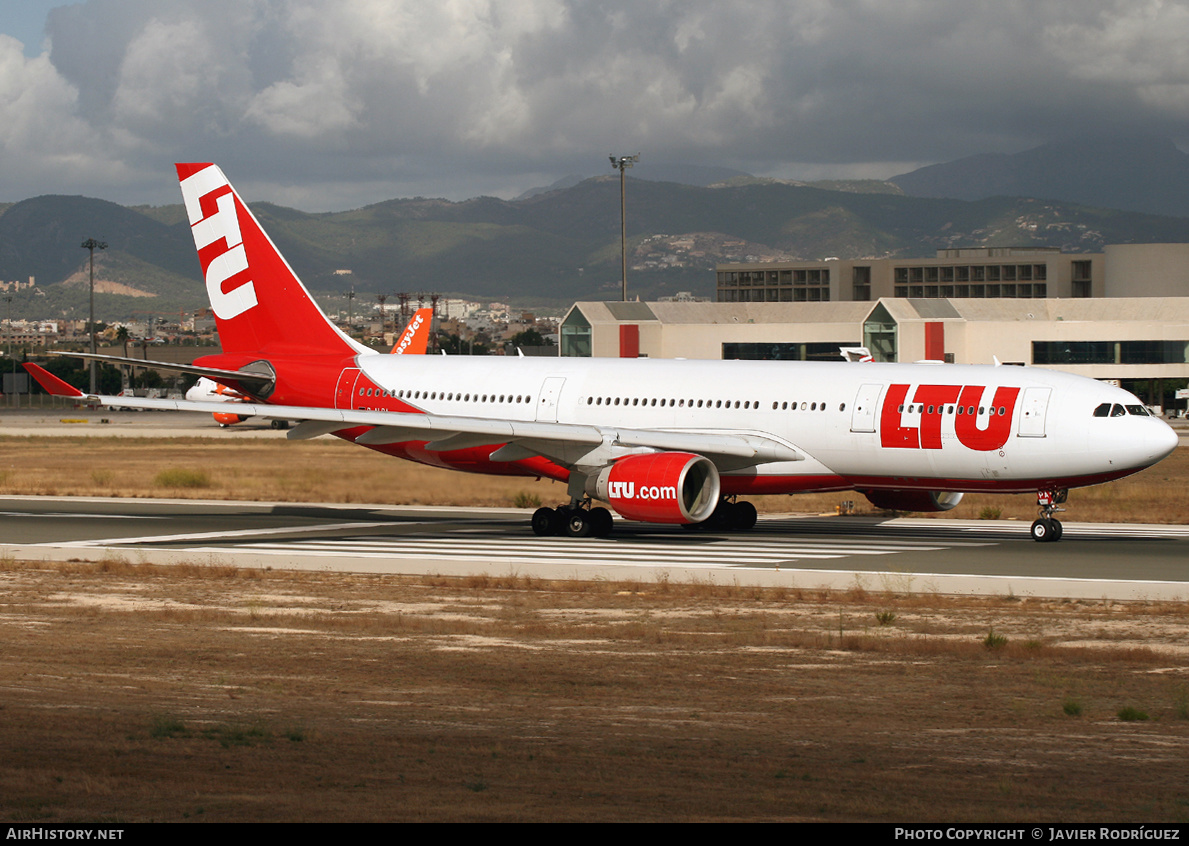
{"x": 914, "y": 500}
{"x": 663, "y": 487}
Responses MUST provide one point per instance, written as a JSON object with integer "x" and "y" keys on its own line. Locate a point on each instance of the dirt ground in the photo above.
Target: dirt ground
{"x": 330, "y": 470}
{"x": 134, "y": 693}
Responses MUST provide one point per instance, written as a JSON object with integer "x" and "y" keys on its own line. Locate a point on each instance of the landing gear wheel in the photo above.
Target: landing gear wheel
{"x": 1047, "y": 528}
{"x": 727, "y": 516}
{"x": 720, "y": 518}
{"x": 742, "y": 517}
{"x": 545, "y": 522}
{"x": 1044, "y": 530}
{"x": 578, "y": 524}
{"x": 600, "y": 522}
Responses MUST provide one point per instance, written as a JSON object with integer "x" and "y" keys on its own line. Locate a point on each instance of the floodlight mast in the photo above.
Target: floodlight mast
{"x": 93, "y": 245}
{"x": 621, "y": 163}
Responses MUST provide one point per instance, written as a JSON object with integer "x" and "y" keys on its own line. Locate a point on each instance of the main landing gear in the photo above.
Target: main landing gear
{"x": 580, "y": 520}
{"x": 576, "y": 520}
{"x": 728, "y": 516}
{"x": 1047, "y": 528}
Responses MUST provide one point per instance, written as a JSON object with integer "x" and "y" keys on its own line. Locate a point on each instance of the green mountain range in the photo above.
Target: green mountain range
{"x": 551, "y": 248}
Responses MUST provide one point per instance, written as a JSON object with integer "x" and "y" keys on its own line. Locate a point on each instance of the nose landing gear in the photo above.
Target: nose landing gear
{"x": 1047, "y": 528}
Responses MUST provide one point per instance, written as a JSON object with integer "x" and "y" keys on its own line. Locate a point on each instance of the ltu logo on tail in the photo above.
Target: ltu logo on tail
{"x": 210, "y": 205}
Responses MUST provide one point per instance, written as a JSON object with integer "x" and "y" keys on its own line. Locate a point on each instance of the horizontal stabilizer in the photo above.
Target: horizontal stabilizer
{"x": 52, "y": 384}
{"x": 254, "y": 383}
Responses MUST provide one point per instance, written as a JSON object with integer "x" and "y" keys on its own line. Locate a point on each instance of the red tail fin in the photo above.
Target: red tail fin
{"x": 261, "y": 307}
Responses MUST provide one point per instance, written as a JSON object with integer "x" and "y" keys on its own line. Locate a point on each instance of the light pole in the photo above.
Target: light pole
{"x": 622, "y": 163}
{"x": 93, "y": 245}
{"x": 8, "y": 300}
{"x": 381, "y": 299}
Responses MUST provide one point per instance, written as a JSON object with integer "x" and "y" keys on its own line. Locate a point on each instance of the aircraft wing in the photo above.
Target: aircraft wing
{"x": 568, "y": 444}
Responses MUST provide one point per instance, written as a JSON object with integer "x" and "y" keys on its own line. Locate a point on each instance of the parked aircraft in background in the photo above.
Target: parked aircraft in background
{"x": 208, "y": 390}
{"x": 664, "y": 441}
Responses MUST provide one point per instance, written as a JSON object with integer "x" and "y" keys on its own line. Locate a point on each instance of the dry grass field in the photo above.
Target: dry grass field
{"x": 132, "y": 693}
{"x": 330, "y": 470}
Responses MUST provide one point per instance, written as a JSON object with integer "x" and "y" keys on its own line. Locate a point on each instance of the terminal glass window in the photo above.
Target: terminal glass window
{"x": 879, "y": 335}
{"x": 861, "y": 284}
{"x": 1110, "y": 352}
{"x": 1152, "y": 352}
{"x": 817, "y": 351}
{"x": 575, "y": 335}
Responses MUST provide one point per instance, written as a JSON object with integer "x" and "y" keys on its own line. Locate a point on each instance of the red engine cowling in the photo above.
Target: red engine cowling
{"x": 663, "y": 487}
{"x": 914, "y": 500}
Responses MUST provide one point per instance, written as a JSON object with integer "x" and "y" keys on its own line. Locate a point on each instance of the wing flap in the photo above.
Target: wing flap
{"x": 567, "y": 443}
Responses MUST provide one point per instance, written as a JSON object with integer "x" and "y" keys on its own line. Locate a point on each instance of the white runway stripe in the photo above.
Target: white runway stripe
{"x": 706, "y": 553}
{"x": 1094, "y": 530}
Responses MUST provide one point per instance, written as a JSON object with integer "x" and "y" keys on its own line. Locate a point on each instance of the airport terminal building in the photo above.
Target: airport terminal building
{"x": 1122, "y": 315}
{"x": 1120, "y": 270}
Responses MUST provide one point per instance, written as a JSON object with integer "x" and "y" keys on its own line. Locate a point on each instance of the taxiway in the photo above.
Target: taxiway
{"x": 903, "y": 555}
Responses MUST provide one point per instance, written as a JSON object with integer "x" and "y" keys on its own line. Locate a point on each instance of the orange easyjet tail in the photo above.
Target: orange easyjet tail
{"x": 415, "y": 339}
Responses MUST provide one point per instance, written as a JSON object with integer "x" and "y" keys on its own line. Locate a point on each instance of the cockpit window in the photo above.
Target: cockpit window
{"x": 1106, "y": 409}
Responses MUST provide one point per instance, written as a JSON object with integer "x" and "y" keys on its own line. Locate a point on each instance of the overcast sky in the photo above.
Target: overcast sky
{"x": 333, "y": 104}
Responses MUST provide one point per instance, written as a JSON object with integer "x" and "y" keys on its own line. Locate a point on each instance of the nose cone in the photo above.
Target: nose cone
{"x": 1133, "y": 443}
{"x": 1146, "y": 441}
{"x": 1163, "y": 441}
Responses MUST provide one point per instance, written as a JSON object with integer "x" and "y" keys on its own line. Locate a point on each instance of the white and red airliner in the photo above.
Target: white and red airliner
{"x": 659, "y": 441}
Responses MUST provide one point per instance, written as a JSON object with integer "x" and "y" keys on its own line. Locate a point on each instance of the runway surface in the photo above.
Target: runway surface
{"x": 950, "y": 556}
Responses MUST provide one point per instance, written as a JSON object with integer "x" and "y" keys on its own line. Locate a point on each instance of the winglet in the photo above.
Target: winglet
{"x": 52, "y": 384}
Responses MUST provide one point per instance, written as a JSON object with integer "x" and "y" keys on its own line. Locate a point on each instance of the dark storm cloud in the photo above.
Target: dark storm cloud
{"x": 329, "y": 103}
